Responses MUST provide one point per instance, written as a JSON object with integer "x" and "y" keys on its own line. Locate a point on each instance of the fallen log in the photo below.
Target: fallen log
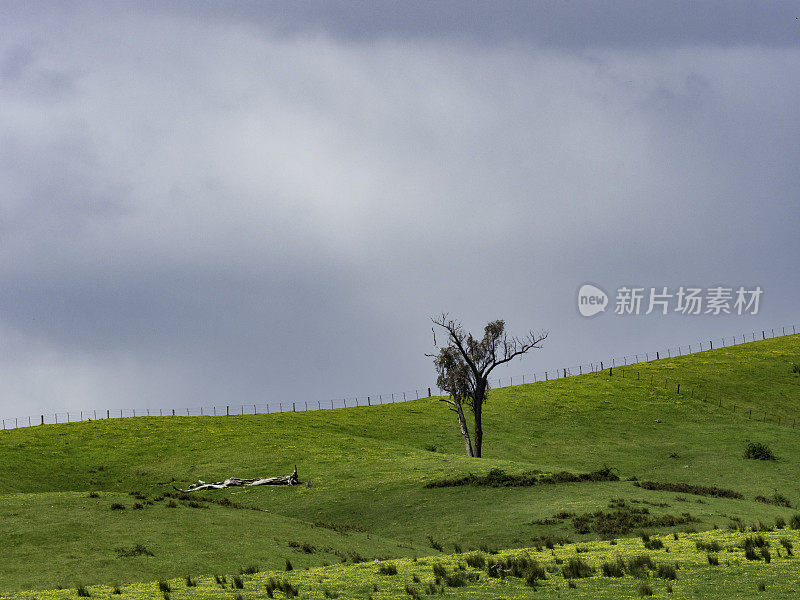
{"x": 236, "y": 482}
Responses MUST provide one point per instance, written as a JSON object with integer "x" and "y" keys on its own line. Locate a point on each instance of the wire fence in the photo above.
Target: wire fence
{"x": 415, "y": 394}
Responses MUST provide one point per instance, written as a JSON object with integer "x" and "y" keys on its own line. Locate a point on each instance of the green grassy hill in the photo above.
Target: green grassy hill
{"x": 369, "y": 466}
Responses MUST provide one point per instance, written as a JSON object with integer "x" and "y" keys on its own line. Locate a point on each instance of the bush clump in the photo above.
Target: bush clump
{"x": 576, "y": 569}
{"x": 613, "y": 569}
{"x": 665, "y": 571}
{"x": 758, "y": 451}
{"x": 476, "y": 561}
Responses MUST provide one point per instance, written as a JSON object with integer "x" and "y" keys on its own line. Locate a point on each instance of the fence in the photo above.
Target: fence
{"x": 416, "y": 394}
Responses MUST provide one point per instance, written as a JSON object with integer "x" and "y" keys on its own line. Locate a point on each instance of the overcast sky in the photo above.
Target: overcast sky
{"x": 240, "y": 202}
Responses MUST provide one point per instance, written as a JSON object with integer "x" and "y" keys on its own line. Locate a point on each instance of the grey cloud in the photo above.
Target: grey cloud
{"x": 219, "y": 211}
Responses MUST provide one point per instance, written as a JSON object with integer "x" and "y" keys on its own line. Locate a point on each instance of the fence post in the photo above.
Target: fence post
{"x": 294, "y": 408}
{"x": 763, "y": 335}
{"x": 429, "y": 389}
{"x": 565, "y": 372}
{"x": 750, "y": 414}
{"x": 545, "y": 376}
{"x": 173, "y": 412}
{"x": 610, "y": 371}
{"x": 657, "y": 355}
{"x": 344, "y": 400}
{"x": 227, "y": 411}
{"x": 416, "y": 391}
{"x": 392, "y": 397}
{"x": 319, "y": 405}
{"x": 679, "y": 389}
{"x": 331, "y": 404}
{"x": 711, "y": 343}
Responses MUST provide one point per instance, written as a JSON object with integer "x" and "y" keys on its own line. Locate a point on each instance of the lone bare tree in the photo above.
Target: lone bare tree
{"x": 465, "y": 363}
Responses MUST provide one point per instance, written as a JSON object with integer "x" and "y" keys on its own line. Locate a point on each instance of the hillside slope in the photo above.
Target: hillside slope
{"x": 368, "y": 467}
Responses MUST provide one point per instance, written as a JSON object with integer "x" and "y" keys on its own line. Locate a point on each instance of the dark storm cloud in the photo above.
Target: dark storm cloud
{"x": 239, "y": 202}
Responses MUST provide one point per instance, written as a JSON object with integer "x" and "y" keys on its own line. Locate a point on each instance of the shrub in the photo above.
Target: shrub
{"x": 638, "y": 566}
{"x": 476, "y": 561}
{"x": 190, "y": 582}
{"x": 288, "y": 565}
{"x": 776, "y": 499}
{"x": 439, "y": 570}
{"x": 794, "y": 521}
{"x": 786, "y": 543}
{"x": 766, "y": 555}
{"x": 708, "y": 546}
{"x": 251, "y": 570}
{"x": 83, "y": 592}
{"x": 387, "y": 569}
{"x": 686, "y": 488}
{"x": 613, "y": 569}
{"x": 651, "y": 544}
{"x": 116, "y": 590}
{"x": 459, "y": 579}
{"x": 435, "y": 544}
{"x": 163, "y": 586}
{"x": 644, "y": 589}
{"x": 713, "y": 559}
{"x": 238, "y": 583}
{"x": 576, "y": 568}
{"x": 755, "y": 540}
{"x": 220, "y": 579}
{"x": 666, "y": 571}
{"x": 762, "y": 586}
{"x": 780, "y": 523}
{"x": 413, "y": 592}
{"x": 330, "y": 594}
{"x": 94, "y": 495}
{"x": 137, "y": 550}
{"x": 750, "y": 553}
{"x": 117, "y": 506}
{"x": 758, "y": 451}
{"x": 795, "y": 369}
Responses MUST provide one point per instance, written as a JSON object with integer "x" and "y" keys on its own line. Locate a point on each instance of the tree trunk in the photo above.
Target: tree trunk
{"x": 477, "y": 409}
{"x": 462, "y": 422}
